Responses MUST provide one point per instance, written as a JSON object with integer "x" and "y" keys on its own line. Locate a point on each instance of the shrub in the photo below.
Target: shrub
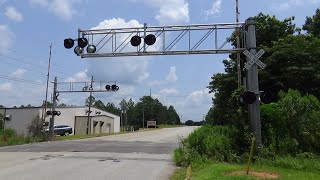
{"x": 36, "y": 127}
{"x": 207, "y": 142}
{"x": 9, "y": 133}
{"x": 292, "y": 125}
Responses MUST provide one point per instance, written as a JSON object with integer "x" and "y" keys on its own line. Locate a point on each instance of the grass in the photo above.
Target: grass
{"x": 217, "y": 171}
{"x": 169, "y": 126}
{"x": 85, "y": 136}
{"x": 17, "y": 140}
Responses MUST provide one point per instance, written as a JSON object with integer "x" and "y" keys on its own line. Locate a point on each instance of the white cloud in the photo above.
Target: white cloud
{"x": 191, "y": 106}
{"x": 126, "y": 70}
{"x": 170, "y": 11}
{"x": 6, "y": 37}
{"x": 173, "y": 14}
{"x": 64, "y": 9}
{"x": 18, "y": 73}
{"x": 168, "y": 91}
{"x": 170, "y": 78}
{"x": 79, "y": 76}
{"x": 6, "y": 87}
{"x": 199, "y": 97}
{"x": 13, "y": 14}
{"x": 285, "y": 5}
{"x": 215, "y": 9}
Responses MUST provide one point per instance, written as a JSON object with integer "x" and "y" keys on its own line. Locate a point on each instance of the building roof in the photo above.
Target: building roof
{"x": 64, "y": 107}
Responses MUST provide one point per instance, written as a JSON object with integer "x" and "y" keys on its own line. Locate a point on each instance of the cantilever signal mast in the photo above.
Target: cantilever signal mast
{"x": 238, "y": 45}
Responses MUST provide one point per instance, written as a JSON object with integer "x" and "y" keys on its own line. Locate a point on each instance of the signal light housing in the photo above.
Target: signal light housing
{"x": 115, "y": 87}
{"x": 68, "y": 43}
{"x": 248, "y": 97}
{"x": 82, "y": 42}
{"x": 150, "y": 39}
{"x": 135, "y": 41}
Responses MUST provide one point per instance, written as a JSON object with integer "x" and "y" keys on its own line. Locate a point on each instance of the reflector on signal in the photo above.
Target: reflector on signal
{"x": 91, "y": 49}
{"x": 78, "y": 50}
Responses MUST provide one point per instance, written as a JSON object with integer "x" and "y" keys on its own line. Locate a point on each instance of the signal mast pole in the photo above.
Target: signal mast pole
{"x": 238, "y": 45}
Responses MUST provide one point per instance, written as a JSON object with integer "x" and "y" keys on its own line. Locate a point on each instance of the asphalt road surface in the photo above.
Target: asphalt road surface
{"x": 135, "y": 156}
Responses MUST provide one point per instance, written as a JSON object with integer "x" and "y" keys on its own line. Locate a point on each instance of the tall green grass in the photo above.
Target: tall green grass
{"x": 207, "y": 142}
{"x": 9, "y": 137}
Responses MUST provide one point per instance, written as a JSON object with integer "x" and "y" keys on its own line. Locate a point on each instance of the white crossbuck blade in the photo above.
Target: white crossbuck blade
{"x": 254, "y": 59}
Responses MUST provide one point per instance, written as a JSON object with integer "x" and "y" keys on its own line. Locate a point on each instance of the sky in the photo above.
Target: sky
{"x": 28, "y": 27}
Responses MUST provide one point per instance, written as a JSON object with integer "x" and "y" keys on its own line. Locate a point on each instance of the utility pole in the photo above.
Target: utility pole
{"x": 253, "y": 83}
{"x": 90, "y": 102}
{"x": 126, "y": 119}
{"x": 4, "y": 117}
{"x": 54, "y": 102}
{"x": 121, "y": 122}
{"x": 238, "y": 45}
{"x": 143, "y": 116}
{"x": 48, "y": 76}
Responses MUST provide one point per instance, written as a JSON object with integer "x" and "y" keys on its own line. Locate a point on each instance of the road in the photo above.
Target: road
{"x": 135, "y": 156}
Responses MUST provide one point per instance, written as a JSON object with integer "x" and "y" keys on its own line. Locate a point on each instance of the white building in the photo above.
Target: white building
{"x": 77, "y": 117}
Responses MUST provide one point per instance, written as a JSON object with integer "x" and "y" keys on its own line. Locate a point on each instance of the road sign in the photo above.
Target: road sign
{"x": 254, "y": 59}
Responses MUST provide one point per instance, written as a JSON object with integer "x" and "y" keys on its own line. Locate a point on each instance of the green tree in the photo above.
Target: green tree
{"x": 173, "y": 117}
{"x": 62, "y": 105}
{"x": 49, "y": 104}
{"x": 312, "y": 24}
{"x": 269, "y": 31}
{"x": 1, "y": 121}
{"x": 93, "y": 100}
{"x": 99, "y": 104}
{"x": 110, "y": 107}
{"x": 292, "y": 62}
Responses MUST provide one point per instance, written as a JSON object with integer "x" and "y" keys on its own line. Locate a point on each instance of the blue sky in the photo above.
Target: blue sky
{"x": 28, "y": 27}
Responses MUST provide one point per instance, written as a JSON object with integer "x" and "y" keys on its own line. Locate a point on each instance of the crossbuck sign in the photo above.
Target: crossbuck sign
{"x": 254, "y": 59}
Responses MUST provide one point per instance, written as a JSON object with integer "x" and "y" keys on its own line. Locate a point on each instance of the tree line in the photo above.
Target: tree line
{"x": 133, "y": 113}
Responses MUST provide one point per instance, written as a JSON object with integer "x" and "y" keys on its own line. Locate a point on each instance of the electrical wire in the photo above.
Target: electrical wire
{"x": 35, "y": 65}
{"x": 21, "y": 80}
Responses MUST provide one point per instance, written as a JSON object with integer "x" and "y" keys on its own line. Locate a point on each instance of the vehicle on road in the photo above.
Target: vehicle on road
{"x": 61, "y": 130}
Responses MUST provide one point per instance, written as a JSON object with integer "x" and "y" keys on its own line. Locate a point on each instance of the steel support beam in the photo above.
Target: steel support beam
{"x": 171, "y": 40}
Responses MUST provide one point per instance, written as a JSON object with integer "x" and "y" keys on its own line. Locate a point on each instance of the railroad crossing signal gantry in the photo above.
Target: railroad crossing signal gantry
{"x": 155, "y": 40}
{"x": 163, "y": 40}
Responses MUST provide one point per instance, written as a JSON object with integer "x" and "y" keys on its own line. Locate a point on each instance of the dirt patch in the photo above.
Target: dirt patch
{"x": 266, "y": 175}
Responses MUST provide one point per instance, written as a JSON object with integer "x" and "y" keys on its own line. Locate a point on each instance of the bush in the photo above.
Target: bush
{"x": 292, "y": 125}
{"x": 9, "y": 133}
{"x": 207, "y": 142}
{"x": 36, "y": 127}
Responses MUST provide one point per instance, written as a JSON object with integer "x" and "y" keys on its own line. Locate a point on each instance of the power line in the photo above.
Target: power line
{"x": 23, "y": 67}
{"x": 35, "y": 65}
{"x": 21, "y": 80}
{"x": 33, "y": 57}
